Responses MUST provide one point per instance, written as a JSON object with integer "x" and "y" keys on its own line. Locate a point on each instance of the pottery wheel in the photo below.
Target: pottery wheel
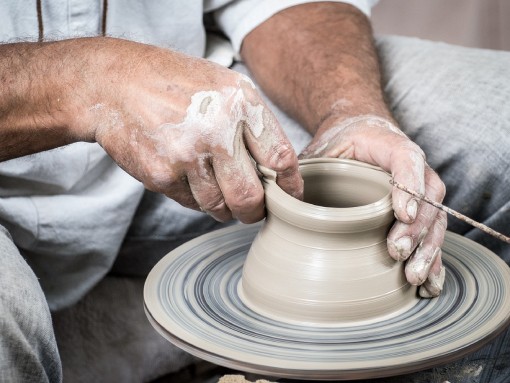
{"x": 191, "y": 297}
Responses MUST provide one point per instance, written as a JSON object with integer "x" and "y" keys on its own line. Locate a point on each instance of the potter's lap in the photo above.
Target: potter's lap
{"x": 451, "y": 100}
{"x": 16, "y": 276}
{"x": 28, "y": 351}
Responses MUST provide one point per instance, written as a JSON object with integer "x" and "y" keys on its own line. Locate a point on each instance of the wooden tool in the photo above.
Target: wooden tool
{"x": 454, "y": 213}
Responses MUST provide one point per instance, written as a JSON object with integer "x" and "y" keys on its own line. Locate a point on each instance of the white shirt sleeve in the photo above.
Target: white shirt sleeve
{"x": 240, "y": 17}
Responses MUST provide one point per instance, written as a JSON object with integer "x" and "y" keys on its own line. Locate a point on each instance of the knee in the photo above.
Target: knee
{"x": 28, "y": 349}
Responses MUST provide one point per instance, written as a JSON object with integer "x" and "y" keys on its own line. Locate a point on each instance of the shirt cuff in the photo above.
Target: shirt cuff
{"x": 240, "y": 17}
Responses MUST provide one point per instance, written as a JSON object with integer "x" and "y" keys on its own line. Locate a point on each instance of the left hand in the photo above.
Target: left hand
{"x": 418, "y": 233}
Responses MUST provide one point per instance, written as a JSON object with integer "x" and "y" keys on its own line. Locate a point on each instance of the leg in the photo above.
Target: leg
{"x": 106, "y": 337}
{"x": 28, "y": 352}
{"x": 453, "y": 102}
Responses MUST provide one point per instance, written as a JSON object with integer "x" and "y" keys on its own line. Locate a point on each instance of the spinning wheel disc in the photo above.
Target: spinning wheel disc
{"x": 191, "y": 297}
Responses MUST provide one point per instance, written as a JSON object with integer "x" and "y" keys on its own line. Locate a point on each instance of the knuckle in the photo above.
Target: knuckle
{"x": 245, "y": 84}
{"x": 215, "y": 205}
{"x": 412, "y": 150}
{"x": 161, "y": 179}
{"x": 246, "y": 202}
{"x": 215, "y": 208}
{"x": 284, "y": 159}
{"x": 435, "y": 183}
{"x": 440, "y": 189}
{"x": 442, "y": 220}
{"x": 242, "y": 79}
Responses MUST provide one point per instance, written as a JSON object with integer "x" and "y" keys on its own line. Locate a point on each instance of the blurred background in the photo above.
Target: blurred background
{"x": 471, "y": 23}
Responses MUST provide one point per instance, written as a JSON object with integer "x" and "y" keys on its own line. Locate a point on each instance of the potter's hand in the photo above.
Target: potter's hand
{"x": 189, "y": 129}
{"x": 419, "y": 231}
{"x": 183, "y": 126}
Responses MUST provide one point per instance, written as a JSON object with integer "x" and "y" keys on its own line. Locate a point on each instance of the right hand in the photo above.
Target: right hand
{"x": 187, "y": 128}
{"x": 418, "y": 233}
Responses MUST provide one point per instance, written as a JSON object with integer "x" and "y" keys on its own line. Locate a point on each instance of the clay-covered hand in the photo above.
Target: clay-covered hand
{"x": 418, "y": 233}
{"x": 190, "y": 129}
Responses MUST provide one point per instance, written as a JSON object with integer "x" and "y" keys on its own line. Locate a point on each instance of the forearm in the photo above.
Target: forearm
{"x": 32, "y": 99}
{"x": 318, "y": 62}
{"x": 55, "y": 93}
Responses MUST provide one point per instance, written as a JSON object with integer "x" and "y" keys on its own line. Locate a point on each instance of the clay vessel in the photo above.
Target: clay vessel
{"x": 324, "y": 260}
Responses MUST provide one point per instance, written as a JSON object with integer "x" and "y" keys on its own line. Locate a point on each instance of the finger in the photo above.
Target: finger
{"x": 403, "y": 238}
{"x": 408, "y": 168}
{"x": 419, "y": 264}
{"x": 170, "y": 181}
{"x": 270, "y": 147}
{"x": 181, "y": 193}
{"x": 239, "y": 183}
{"x": 207, "y": 192}
{"x": 433, "y": 286}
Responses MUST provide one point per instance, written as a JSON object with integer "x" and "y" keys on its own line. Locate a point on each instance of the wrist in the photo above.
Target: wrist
{"x": 73, "y": 80}
{"x": 344, "y": 121}
{"x": 40, "y": 90}
{"x": 84, "y": 84}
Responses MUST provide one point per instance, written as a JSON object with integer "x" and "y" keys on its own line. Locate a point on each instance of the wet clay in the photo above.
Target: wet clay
{"x": 324, "y": 260}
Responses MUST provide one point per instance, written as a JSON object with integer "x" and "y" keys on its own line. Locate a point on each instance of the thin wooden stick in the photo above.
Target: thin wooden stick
{"x": 456, "y": 214}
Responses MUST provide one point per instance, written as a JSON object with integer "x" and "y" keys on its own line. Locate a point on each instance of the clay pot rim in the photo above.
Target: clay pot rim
{"x": 302, "y": 213}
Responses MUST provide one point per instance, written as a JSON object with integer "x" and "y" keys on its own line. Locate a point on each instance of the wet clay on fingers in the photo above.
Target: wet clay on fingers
{"x": 324, "y": 260}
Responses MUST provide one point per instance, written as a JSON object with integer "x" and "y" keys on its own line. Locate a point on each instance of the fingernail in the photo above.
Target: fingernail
{"x": 433, "y": 285}
{"x": 412, "y": 209}
{"x": 424, "y": 292}
{"x": 403, "y": 246}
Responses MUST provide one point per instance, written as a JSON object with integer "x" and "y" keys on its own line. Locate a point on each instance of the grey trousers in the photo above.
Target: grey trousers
{"x": 454, "y": 102}
{"x": 28, "y": 352}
